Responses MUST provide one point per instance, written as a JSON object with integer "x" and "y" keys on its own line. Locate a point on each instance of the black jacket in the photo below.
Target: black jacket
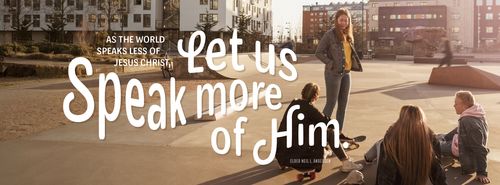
{"x": 310, "y": 157}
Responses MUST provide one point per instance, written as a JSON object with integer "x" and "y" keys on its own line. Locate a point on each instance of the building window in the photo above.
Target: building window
{"x": 71, "y": 2}
{"x": 208, "y": 17}
{"x": 374, "y": 5}
{"x": 115, "y": 18}
{"x": 455, "y": 29}
{"x": 100, "y": 4}
{"x": 102, "y": 20}
{"x": 137, "y": 17}
{"x": 213, "y": 18}
{"x": 392, "y": 17}
{"x": 48, "y": 18}
{"x": 489, "y": 29}
{"x": 27, "y": 3}
{"x": 137, "y": 2}
{"x": 203, "y": 2}
{"x": 147, "y": 5}
{"x": 456, "y": 16}
{"x": 124, "y": 20}
{"x": 36, "y": 5}
{"x": 58, "y": 4}
{"x": 48, "y": 2}
{"x": 92, "y": 18}
{"x": 497, "y": 2}
{"x": 397, "y": 29}
{"x": 235, "y": 21}
{"x": 6, "y": 2}
{"x": 488, "y": 16}
{"x": 203, "y": 17}
{"x": 79, "y": 4}
{"x": 79, "y": 20}
{"x": 479, "y": 2}
{"x": 123, "y": 5}
{"x": 419, "y": 16}
{"x": 375, "y": 17}
{"x": 489, "y": 2}
{"x": 36, "y": 21}
{"x": 214, "y": 4}
{"x": 70, "y": 17}
{"x": 147, "y": 21}
{"x": 409, "y": 4}
{"x": 6, "y": 18}
{"x": 92, "y": 2}
{"x": 27, "y": 18}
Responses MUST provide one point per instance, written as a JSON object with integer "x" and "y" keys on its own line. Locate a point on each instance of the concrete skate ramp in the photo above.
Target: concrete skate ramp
{"x": 464, "y": 76}
{"x": 245, "y": 59}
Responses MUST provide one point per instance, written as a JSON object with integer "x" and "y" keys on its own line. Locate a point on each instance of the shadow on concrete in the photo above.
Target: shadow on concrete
{"x": 405, "y": 84}
{"x": 426, "y": 91}
{"x": 337, "y": 177}
{"x": 454, "y": 174}
{"x": 94, "y": 83}
{"x": 411, "y": 90}
{"x": 285, "y": 102}
{"x": 250, "y": 176}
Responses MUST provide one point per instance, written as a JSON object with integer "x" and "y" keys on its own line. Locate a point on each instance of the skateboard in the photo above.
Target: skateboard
{"x": 310, "y": 174}
{"x": 303, "y": 173}
{"x": 353, "y": 143}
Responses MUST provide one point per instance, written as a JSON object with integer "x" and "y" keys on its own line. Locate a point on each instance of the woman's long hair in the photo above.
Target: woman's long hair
{"x": 348, "y": 30}
{"x": 409, "y": 143}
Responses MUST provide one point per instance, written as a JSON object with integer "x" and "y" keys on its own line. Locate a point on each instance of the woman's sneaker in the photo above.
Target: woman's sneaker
{"x": 348, "y": 165}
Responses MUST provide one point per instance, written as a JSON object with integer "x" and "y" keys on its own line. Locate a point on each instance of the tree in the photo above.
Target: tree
{"x": 19, "y": 24}
{"x": 110, "y": 9}
{"x": 357, "y": 30}
{"x": 206, "y": 27}
{"x": 55, "y": 28}
{"x": 243, "y": 21}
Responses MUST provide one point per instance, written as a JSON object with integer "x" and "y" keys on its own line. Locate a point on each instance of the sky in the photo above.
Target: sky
{"x": 288, "y": 14}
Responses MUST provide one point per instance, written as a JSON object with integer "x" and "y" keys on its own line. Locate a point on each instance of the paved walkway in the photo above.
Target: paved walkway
{"x": 73, "y": 154}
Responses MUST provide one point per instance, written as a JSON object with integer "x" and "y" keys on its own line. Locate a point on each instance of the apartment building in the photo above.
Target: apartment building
{"x": 316, "y": 19}
{"x": 487, "y": 23}
{"x": 459, "y": 19}
{"x": 82, "y": 17}
{"x": 226, "y": 13}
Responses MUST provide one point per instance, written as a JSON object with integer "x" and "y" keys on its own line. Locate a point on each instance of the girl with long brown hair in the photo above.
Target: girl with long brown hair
{"x": 409, "y": 151}
{"x": 336, "y": 50}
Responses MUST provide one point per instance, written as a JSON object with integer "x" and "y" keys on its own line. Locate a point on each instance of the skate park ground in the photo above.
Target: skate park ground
{"x": 73, "y": 154}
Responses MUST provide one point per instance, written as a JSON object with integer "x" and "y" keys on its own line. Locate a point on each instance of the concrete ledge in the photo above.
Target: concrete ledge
{"x": 464, "y": 76}
{"x": 405, "y": 57}
{"x": 428, "y": 60}
{"x": 385, "y": 56}
{"x": 42, "y": 71}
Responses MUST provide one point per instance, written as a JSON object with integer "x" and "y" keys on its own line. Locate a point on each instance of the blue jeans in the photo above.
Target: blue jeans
{"x": 338, "y": 88}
